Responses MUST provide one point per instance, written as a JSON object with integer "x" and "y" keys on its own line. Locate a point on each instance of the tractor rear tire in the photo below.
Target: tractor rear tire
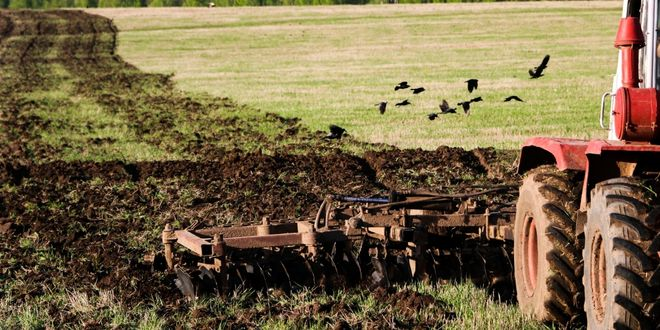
{"x": 547, "y": 258}
{"x": 621, "y": 271}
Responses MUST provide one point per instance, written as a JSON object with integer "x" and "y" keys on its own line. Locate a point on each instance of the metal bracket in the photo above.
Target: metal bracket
{"x": 601, "y": 119}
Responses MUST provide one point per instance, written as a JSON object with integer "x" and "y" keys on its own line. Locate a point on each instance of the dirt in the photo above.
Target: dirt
{"x": 407, "y": 302}
{"x": 86, "y": 225}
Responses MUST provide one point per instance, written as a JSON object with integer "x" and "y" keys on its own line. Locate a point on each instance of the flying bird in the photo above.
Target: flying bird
{"x": 513, "y": 98}
{"x": 466, "y": 104}
{"x": 382, "y": 106}
{"x": 472, "y": 84}
{"x": 402, "y": 103}
{"x": 418, "y": 90}
{"x": 466, "y": 107}
{"x": 444, "y": 108}
{"x": 401, "y": 85}
{"x": 336, "y": 132}
{"x": 432, "y": 116}
{"x": 538, "y": 71}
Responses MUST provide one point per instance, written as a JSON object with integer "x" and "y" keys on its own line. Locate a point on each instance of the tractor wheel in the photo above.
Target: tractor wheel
{"x": 621, "y": 273}
{"x": 547, "y": 259}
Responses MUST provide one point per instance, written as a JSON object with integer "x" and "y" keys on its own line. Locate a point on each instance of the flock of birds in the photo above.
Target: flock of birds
{"x": 337, "y": 132}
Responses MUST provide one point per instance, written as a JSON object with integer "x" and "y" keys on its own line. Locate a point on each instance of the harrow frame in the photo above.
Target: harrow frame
{"x": 406, "y": 227}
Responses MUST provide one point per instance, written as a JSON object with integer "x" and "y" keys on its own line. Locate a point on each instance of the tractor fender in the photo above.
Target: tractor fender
{"x": 566, "y": 154}
{"x": 608, "y": 159}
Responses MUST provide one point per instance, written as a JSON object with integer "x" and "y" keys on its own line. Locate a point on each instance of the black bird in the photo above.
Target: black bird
{"x": 432, "y": 116}
{"x": 513, "y": 98}
{"x": 336, "y": 132}
{"x": 418, "y": 90}
{"x": 402, "y": 103}
{"x": 472, "y": 84}
{"x": 538, "y": 71}
{"x": 401, "y": 85}
{"x": 444, "y": 108}
{"x": 466, "y": 104}
{"x": 466, "y": 107}
{"x": 382, "y": 106}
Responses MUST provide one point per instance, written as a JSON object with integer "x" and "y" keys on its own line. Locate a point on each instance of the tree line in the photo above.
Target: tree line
{"x": 40, "y": 4}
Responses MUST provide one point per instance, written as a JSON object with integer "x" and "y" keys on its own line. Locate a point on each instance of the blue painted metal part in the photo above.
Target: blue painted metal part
{"x": 360, "y": 199}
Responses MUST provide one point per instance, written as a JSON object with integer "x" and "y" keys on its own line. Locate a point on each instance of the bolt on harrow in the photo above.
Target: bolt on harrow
{"x": 376, "y": 241}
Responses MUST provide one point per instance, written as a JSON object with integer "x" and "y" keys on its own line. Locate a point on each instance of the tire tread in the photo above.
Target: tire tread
{"x": 565, "y": 258}
{"x": 637, "y": 273}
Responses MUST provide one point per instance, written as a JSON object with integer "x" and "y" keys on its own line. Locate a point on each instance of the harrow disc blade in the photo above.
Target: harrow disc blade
{"x": 207, "y": 283}
{"x": 185, "y": 284}
{"x": 399, "y": 269}
{"x": 298, "y": 272}
{"x": 377, "y": 274}
{"x": 350, "y": 272}
{"x": 288, "y": 285}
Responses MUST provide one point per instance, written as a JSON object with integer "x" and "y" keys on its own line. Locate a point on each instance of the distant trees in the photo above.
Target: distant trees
{"x": 197, "y": 3}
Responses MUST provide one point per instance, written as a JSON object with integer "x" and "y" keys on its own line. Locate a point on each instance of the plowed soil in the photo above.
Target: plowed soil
{"x": 86, "y": 225}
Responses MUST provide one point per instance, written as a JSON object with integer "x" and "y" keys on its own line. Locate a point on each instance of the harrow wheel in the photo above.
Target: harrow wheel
{"x": 621, "y": 271}
{"x": 548, "y": 264}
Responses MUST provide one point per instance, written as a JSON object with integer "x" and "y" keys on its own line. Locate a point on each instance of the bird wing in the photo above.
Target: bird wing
{"x": 477, "y": 99}
{"x": 517, "y": 98}
{"x": 444, "y": 106}
{"x": 544, "y": 63}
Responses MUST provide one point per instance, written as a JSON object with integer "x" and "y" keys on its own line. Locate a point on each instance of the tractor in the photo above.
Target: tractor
{"x": 587, "y": 220}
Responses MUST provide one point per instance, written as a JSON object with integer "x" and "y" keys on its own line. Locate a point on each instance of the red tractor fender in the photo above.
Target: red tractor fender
{"x": 599, "y": 159}
{"x": 608, "y": 159}
{"x": 566, "y": 154}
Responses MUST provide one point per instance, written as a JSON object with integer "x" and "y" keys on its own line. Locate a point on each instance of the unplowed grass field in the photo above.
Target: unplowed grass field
{"x": 330, "y": 65}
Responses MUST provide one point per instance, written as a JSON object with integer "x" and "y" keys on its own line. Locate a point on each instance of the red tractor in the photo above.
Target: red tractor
{"x": 587, "y": 221}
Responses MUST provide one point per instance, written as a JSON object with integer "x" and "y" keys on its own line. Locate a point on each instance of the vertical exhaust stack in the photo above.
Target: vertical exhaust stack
{"x": 636, "y": 116}
{"x": 629, "y": 39}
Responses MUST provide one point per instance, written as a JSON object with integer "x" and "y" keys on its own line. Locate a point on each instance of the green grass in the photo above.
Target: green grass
{"x": 469, "y": 306}
{"x": 332, "y": 64}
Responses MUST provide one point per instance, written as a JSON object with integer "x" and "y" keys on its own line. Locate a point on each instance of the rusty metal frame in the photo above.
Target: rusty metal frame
{"x": 337, "y": 222}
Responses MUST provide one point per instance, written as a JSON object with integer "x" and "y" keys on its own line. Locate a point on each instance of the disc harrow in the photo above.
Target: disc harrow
{"x": 351, "y": 241}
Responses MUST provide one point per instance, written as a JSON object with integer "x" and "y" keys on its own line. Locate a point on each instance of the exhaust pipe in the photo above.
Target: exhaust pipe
{"x": 636, "y": 115}
{"x": 629, "y": 39}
